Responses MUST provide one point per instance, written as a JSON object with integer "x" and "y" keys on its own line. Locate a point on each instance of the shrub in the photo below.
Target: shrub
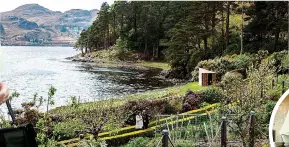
{"x": 169, "y": 109}
{"x": 274, "y": 93}
{"x": 229, "y": 78}
{"x": 284, "y": 78}
{"x": 186, "y": 107}
{"x": 68, "y": 129}
{"x": 121, "y": 45}
{"x": 191, "y": 101}
{"x": 138, "y": 142}
{"x": 219, "y": 65}
{"x": 265, "y": 113}
{"x": 242, "y": 61}
{"x": 212, "y": 95}
{"x": 280, "y": 60}
{"x": 153, "y": 107}
{"x": 175, "y": 106}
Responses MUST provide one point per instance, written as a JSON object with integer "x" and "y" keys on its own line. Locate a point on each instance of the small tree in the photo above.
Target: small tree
{"x": 102, "y": 115}
{"x": 247, "y": 95}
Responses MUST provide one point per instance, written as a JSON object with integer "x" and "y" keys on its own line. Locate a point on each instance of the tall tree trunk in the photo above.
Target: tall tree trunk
{"x": 277, "y": 32}
{"x": 135, "y": 22}
{"x": 146, "y": 46}
{"x": 205, "y": 44}
{"x": 114, "y": 28}
{"x": 157, "y": 48}
{"x": 213, "y": 20}
{"x": 121, "y": 27}
{"x": 206, "y": 31}
{"x": 108, "y": 36}
{"x": 228, "y": 24}
{"x": 154, "y": 51}
{"x": 223, "y": 32}
{"x": 242, "y": 25}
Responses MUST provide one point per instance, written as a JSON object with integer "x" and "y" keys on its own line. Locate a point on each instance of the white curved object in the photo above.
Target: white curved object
{"x": 285, "y": 139}
{"x": 284, "y": 131}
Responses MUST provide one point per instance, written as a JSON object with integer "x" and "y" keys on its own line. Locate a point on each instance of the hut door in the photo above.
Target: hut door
{"x": 210, "y": 79}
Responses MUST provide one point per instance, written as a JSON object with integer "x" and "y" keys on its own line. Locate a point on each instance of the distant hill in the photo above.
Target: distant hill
{"x": 32, "y": 24}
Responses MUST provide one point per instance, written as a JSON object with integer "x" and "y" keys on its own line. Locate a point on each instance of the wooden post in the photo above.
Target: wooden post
{"x": 283, "y": 87}
{"x": 273, "y": 84}
{"x": 81, "y": 136}
{"x": 223, "y": 132}
{"x": 165, "y": 139}
{"x": 251, "y": 129}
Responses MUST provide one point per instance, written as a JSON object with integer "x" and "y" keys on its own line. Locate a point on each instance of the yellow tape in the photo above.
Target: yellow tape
{"x": 132, "y": 127}
{"x": 146, "y": 130}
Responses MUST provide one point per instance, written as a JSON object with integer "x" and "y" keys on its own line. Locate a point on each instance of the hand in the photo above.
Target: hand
{"x": 4, "y": 93}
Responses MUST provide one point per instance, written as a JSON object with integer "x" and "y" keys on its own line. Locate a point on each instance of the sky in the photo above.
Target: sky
{"x": 55, "y": 5}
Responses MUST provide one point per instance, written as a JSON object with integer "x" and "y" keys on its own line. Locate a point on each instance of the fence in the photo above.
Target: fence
{"x": 199, "y": 132}
{"x": 154, "y": 125}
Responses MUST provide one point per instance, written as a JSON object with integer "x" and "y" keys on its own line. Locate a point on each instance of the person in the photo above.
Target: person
{"x": 4, "y": 93}
{"x": 145, "y": 119}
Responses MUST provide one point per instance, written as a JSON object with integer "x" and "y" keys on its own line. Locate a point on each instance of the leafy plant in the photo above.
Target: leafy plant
{"x": 212, "y": 95}
{"x": 139, "y": 142}
{"x": 68, "y": 129}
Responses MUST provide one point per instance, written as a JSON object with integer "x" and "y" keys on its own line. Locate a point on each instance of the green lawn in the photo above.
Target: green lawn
{"x": 194, "y": 86}
{"x": 160, "y": 65}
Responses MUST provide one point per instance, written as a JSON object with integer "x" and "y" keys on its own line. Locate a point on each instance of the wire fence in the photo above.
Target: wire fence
{"x": 207, "y": 130}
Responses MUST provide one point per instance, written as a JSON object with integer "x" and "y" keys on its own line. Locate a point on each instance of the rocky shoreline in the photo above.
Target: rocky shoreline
{"x": 108, "y": 64}
{"x": 130, "y": 66}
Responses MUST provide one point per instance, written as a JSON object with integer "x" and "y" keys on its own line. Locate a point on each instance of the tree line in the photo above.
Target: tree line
{"x": 184, "y": 33}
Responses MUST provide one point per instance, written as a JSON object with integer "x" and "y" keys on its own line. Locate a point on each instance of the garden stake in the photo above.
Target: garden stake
{"x": 251, "y": 129}
{"x": 283, "y": 87}
{"x": 182, "y": 127}
{"x": 187, "y": 129}
{"x": 177, "y": 129}
{"x": 223, "y": 133}
{"x": 172, "y": 124}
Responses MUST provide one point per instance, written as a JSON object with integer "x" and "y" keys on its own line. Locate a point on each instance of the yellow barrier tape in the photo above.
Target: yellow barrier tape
{"x": 146, "y": 130}
{"x": 132, "y": 127}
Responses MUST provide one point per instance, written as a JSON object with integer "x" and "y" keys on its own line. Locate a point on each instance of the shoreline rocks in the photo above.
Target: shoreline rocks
{"x": 130, "y": 66}
{"x": 80, "y": 59}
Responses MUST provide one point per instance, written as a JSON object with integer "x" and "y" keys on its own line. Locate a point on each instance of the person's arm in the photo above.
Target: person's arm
{"x": 4, "y": 93}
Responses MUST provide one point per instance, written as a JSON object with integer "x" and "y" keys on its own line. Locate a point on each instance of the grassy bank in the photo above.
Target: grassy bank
{"x": 79, "y": 116}
{"x": 113, "y": 58}
{"x": 161, "y": 65}
{"x": 116, "y": 101}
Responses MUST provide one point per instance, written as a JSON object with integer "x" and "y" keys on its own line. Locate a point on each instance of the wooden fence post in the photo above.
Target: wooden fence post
{"x": 283, "y": 87}
{"x": 273, "y": 84}
{"x": 223, "y": 132}
{"x": 165, "y": 139}
{"x": 251, "y": 129}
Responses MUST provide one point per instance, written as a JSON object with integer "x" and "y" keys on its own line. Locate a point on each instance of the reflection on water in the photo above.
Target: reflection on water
{"x": 28, "y": 70}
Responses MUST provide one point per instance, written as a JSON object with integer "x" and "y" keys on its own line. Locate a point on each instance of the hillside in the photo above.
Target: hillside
{"x": 33, "y": 24}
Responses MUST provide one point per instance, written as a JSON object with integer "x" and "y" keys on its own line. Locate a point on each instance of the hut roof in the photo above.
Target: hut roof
{"x": 202, "y": 70}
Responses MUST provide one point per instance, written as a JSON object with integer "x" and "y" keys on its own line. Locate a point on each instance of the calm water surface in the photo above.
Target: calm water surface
{"x": 28, "y": 70}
